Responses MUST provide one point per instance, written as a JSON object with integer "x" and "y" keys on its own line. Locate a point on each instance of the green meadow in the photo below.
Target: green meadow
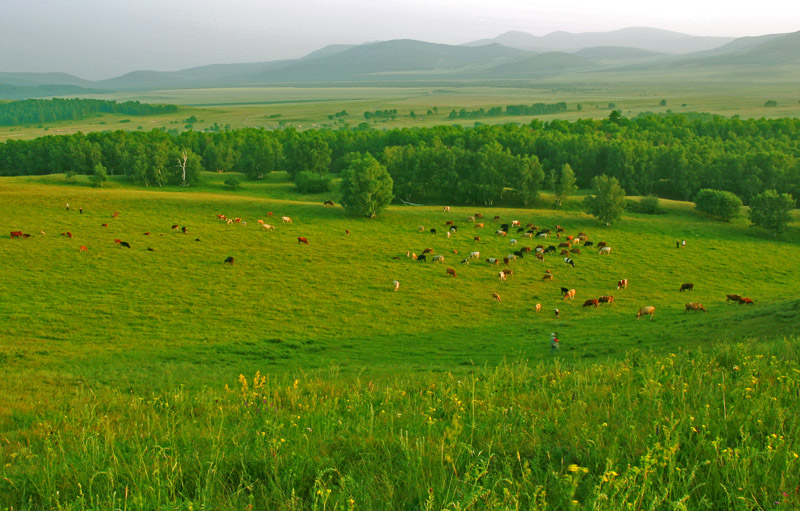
{"x": 310, "y": 107}
{"x": 120, "y": 386}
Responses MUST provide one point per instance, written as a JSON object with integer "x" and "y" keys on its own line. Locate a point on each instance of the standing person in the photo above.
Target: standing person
{"x": 558, "y": 313}
{"x": 67, "y": 206}
{"x": 554, "y": 342}
{"x": 683, "y": 243}
{"x": 81, "y": 210}
{"x": 677, "y": 244}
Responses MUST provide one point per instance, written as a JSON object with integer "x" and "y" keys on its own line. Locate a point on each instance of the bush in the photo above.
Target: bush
{"x": 649, "y": 205}
{"x": 717, "y": 203}
{"x": 233, "y": 183}
{"x": 311, "y": 182}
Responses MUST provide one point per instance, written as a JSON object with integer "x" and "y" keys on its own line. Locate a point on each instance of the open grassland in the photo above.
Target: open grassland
{"x": 706, "y": 428}
{"x": 309, "y": 107}
{"x": 114, "y": 360}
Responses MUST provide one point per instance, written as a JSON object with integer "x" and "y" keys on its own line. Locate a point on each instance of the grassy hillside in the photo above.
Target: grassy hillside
{"x": 115, "y": 360}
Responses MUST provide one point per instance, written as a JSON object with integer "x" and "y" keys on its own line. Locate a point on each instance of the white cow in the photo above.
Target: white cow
{"x": 286, "y": 220}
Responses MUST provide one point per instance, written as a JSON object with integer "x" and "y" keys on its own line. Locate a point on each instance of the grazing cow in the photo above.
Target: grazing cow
{"x": 508, "y": 272}
{"x": 515, "y": 223}
{"x": 735, "y": 298}
{"x": 564, "y": 245}
{"x": 527, "y": 250}
{"x": 449, "y": 222}
{"x": 496, "y": 297}
{"x": 589, "y": 303}
{"x": 541, "y": 235}
{"x": 104, "y": 225}
{"x": 496, "y": 218}
{"x": 300, "y": 239}
{"x": 175, "y": 227}
{"x": 396, "y": 285}
{"x": 84, "y": 249}
{"x": 329, "y": 204}
{"x": 229, "y": 260}
{"x": 587, "y": 243}
{"x": 540, "y": 257}
{"x": 147, "y": 233}
{"x": 124, "y": 244}
{"x": 260, "y": 222}
{"x": 269, "y": 213}
{"x": 438, "y": 258}
{"x": 605, "y": 250}
{"x": 471, "y": 219}
{"x": 42, "y": 233}
{"x": 117, "y": 242}
{"x": 569, "y": 261}
{"x": 476, "y": 238}
{"x": 646, "y": 310}
{"x": 570, "y": 238}
{"x": 686, "y": 286}
{"x": 478, "y": 215}
{"x": 538, "y": 307}
{"x": 492, "y": 260}
{"x": 516, "y": 254}
{"x": 427, "y": 251}
{"x": 465, "y": 261}
{"x": 694, "y": 306}
{"x": 422, "y": 259}
{"x": 602, "y": 244}
{"x": 421, "y": 228}
{"x": 453, "y": 228}
{"x": 559, "y": 228}
{"x": 479, "y": 225}
{"x": 606, "y": 299}
{"x": 151, "y": 249}
{"x": 433, "y": 231}
{"x": 550, "y": 250}
{"x": 502, "y": 276}
{"x": 547, "y": 276}
{"x": 622, "y": 284}
{"x": 448, "y": 234}
{"x": 504, "y": 227}
{"x": 451, "y": 271}
{"x": 221, "y": 217}
{"x": 520, "y": 230}
{"x": 115, "y": 214}
{"x": 564, "y": 290}
{"x": 475, "y": 255}
{"x": 347, "y": 232}
{"x": 67, "y": 234}
{"x": 18, "y": 234}
{"x": 286, "y": 220}
{"x": 570, "y": 295}
{"x": 565, "y": 252}
{"x": 268, "y": 227}
{"x": 446, "y": 209}
{"x": 184, "y": 230}
{"x": 575, "y": 251}
{"x": 745, "y": 301}
{"x": 500, "y": 233}
{"x": 506, "y": 260}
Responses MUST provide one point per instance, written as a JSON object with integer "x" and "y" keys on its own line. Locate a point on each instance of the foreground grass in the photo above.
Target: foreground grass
{"x": 713, "y": 428}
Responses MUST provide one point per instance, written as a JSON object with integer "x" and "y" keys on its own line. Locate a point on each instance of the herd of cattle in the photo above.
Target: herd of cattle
{"x": 571, "y": 246}
{"x": 568, "y": 248}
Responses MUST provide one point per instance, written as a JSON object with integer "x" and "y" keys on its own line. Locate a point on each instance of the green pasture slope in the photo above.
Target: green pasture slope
{"x": 115, "y": 360}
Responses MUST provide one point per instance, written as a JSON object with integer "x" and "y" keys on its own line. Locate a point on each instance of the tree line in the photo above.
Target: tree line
{"x": 671, "y": 156}
{"x": 497, "y": 111}
{"x": 38, "y": 111}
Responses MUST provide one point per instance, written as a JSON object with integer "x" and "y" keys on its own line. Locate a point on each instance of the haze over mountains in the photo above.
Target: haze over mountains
{"x": 513, "y": 55}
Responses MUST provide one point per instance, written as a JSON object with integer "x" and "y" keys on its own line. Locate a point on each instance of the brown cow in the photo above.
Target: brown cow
{"x": 686, "y": 286}
{"x": 569, "y": 295}
{"x": 735, "y": 298}
{"x": 589, "y": 303}
{"x": 84, "y": 249}
{"x": 622, "y": 284}
{"x": 575, "y": 251}
{"x": 451, "y": 271}
{"x": 602, "y": 244}
{"x": 300, "y": 239}
{"x": 744, "y": 300}
{"x": 508, "y": 271}
{"x": 496, "y": 297}
{"x": 538, "y": 307}
{"x": 694, "y": 306}
{"x": 606, "y": 299}
{"x": 547, "y": 276}
{"x": 18, "y": 234}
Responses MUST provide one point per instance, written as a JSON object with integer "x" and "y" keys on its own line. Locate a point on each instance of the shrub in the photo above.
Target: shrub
{"x": 311, "y": 182}
{"x": 649, "y": 205}
{"x": 717, "y": 203}
{"x": 233, "y": 183}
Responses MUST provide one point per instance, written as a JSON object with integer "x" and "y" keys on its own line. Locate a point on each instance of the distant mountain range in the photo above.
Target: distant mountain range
{"x": 513, "y": 55}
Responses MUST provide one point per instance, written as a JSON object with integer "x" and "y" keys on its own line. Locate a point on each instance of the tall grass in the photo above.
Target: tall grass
{"x": 713, "y": 428}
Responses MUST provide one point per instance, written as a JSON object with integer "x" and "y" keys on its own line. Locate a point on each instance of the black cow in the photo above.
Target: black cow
{"x": 124, "y": 244}
{"x": 504, "y": 227}
{"x": 453, "y": 228}
{"x": 588, "y": 244}
{"x": 569, "y": 261}
{"x": 521, "y": 229}
{"x": 422, "y": 259}
{"x": 229, "y": 260}
{"x": 686, "y": 287}
{"x": 433, "y": 231}
{"x": 519, "y": 253}
{"x": 550, "y": 249}
{"x": 564, "y": 290}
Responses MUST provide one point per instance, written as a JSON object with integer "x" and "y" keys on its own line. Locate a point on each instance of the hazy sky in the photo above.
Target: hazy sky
{"x": 97, "y": 39}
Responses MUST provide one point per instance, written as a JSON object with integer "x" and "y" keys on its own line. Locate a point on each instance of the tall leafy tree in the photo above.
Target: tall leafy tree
{"x": 565, "y": 185}
{"x": 366, "y": 186}
{"x": 771, "y": 211}
{"x": 608, "y": 201}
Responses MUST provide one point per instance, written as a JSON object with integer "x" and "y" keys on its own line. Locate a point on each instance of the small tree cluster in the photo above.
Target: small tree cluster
{"x": 608, "y": 200}
{"x": 311, "y": 182}
{"x": 771, "y": 211}
{"x": 366, "y": 186}
{"x": 718, "y": 203}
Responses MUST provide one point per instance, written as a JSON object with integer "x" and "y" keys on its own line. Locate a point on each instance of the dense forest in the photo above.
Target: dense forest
{"x": 672, "y": 156}
{"x": 38, "y": 111}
